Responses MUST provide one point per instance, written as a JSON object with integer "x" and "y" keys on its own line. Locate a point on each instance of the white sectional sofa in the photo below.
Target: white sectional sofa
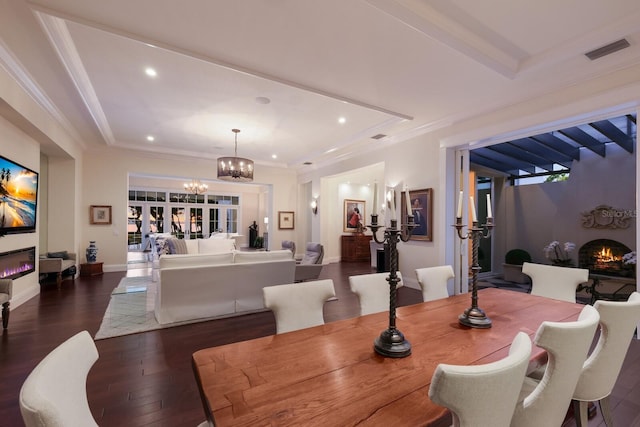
{"x": 195, "y": 286}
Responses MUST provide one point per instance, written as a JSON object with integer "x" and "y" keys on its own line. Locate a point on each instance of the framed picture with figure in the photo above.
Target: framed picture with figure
{"x": 354, "y": 216}
{"x": 422, "y": 211}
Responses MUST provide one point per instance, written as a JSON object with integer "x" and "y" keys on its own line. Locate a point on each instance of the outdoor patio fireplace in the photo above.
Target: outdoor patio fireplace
{"x": 17, "y": 263}
{"x": 604, "y": 256}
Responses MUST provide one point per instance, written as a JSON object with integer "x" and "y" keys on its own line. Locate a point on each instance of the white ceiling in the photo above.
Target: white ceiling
{"x": 398, "y": 68}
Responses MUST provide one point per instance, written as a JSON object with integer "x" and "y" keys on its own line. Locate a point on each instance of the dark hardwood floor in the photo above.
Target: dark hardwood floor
{"x": 146, "y": 379}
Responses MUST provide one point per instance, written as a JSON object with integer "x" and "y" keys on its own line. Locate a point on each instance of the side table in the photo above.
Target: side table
{"x": 91, "y": 269}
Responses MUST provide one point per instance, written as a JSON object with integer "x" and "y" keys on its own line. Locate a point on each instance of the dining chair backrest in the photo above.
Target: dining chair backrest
{"x": 372, "y": 291}
{"x": 483, "y": 395}
{"x": 555, "y": 282}
{"x": 433, "y": 281}
{"x": 298, "y": 305}
{"x": 545, "y": 402}
{"x": 618, "y": 321}
{"x": 55, "y": 393}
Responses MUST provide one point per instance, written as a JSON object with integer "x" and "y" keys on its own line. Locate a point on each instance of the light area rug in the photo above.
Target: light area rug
{"x": 131, "y": 313}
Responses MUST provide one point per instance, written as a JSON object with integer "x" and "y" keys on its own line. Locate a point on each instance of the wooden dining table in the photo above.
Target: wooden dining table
{"x": 330, "y": 375}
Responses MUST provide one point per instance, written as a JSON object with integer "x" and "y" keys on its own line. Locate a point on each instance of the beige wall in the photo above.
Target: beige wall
{"x": 106, "y": 182}
{"x": 416, "y": 163}
{"x": 22, "y": 149}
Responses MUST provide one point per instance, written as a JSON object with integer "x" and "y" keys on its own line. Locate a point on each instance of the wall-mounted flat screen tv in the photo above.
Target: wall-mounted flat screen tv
{"x": 18, "y": 198}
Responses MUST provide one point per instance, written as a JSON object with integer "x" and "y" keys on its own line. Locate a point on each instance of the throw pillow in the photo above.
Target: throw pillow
{"x": 176, "y": 246}
{"x": 61, "y": 254}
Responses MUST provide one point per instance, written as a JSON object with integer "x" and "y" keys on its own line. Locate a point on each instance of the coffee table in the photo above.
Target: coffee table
{"x": 128, "y": 305}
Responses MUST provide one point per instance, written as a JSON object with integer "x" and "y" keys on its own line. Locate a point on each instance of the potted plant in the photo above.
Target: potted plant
{"x": 512, "y": 267}
{"x": 259, "y": 242}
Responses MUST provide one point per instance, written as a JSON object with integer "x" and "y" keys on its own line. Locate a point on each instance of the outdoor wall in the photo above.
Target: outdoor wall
{"x": 531, "y": 216}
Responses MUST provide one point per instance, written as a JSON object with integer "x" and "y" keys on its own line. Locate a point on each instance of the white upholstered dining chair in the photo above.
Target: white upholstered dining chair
{"x": 555, "y": 282}
{"x": 372, "y": 291}
{"x": 433, "y": 281}
{"x": 55, "y": 392}
{"x": 298, "y": 305}
{"x": 545, "y": 402}
{"x": 483, "y": 395}
{"x": 618, "y": 321}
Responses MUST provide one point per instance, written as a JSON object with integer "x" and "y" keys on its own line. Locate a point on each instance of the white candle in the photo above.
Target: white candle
{"x": 459, "y": 214}
{"x": 474, "y": 218}
{"x": 489, "y": 211}
{"x": 375, "y": 198}
{"x": 408, "y": 199}
{"x": 393, "y": 204}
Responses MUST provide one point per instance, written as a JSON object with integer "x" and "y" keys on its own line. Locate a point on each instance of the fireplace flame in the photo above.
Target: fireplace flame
{"x": 605, "y": 255}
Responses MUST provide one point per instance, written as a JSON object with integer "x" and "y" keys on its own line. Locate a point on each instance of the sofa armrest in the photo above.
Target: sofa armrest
{"x": 6, "y": 287}
{"x": 50, "y": 265}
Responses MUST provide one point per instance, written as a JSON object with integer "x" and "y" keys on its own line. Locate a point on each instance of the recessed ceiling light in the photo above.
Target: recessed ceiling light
{"x": 150, "y": 138}
{"x": 342, "y": 120}
{"x": 150, "y": 72}
{"x": 263, "y": 100}
{"x": 274, "y": 156}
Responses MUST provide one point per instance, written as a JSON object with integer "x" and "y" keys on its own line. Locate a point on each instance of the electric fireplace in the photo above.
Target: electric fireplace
{"x": 17, "y": 263}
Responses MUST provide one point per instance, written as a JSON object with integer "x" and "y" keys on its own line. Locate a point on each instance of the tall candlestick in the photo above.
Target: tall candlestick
{"x": 474, "y": 218}
{"x": 408, "y": 199}
{"x": 375, "y": 198}
{"x": 489, "y": 211}
{"x": 459, "y": 213}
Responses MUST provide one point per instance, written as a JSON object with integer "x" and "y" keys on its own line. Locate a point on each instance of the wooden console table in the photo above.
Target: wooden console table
{"x": 91, "y": 269}
{"x": 355, "y": 248}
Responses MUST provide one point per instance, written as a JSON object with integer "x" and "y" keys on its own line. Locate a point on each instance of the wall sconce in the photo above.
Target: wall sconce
{"x": 314, "y": 205}
{"x": 266, "y": 220}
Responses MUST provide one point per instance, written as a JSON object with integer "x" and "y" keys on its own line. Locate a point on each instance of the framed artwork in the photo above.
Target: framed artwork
{"x": 100, "y": 214}
{"x": 422, "y": 208}
{"x": 286, "y": 220}
{"x": 354, "y": 216}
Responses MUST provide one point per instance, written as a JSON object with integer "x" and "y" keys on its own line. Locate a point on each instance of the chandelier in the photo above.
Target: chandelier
{"x": 235, "y": 168}
{"x": 196, "y": 187}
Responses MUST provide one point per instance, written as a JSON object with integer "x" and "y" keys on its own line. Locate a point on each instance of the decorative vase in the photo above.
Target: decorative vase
{"x": 92, "y": 251}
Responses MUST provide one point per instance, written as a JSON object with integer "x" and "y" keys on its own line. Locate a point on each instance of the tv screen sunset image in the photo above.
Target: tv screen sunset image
{"x": 18, "y": 195}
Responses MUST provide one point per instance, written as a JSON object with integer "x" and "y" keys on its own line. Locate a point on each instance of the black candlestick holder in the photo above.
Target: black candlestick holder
{"x": 391, "y": 342}
{"x": 474, "y": 316}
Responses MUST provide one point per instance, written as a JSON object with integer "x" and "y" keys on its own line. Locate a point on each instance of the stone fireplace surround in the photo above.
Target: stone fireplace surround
{"x": 17, "y": 263}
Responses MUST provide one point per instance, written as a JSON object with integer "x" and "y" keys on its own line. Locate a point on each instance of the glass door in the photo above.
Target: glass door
{"x": 484, "y": 186}
{"x": 134, "y": 227}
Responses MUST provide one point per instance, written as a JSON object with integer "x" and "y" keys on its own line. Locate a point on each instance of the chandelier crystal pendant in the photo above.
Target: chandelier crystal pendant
{"x": 236, "y": 169}
{"x": 196, "y": 187}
